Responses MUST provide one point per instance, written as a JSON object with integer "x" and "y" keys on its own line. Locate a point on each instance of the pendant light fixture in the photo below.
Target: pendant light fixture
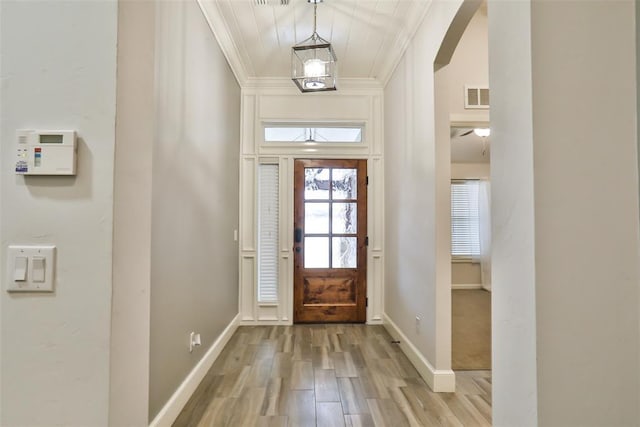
{"x": 313, "y": 61}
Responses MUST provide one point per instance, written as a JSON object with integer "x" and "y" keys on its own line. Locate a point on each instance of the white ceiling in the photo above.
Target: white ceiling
{"x": 469, "y": 148}
{"x": 369, "y": 36}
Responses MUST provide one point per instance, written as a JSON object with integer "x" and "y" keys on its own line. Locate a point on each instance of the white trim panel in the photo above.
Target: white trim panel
{"x": 286, "y": 239}
{"x": 375, "y": 273}
{"x": 172, "y": 408}
{"x": 377, "y": 131}
{"x": 268, "y": 313}
{"x": 362, "y": 106}
{"x": 458, "y": 286}
{"x": 249, "y": 137}
{"x": 248, "y": 285}
{"x": 440, "y": 380}
{"x": 376, "y": 204}
{"x": 248, "y": 207}
{"x": 284, "y": 107}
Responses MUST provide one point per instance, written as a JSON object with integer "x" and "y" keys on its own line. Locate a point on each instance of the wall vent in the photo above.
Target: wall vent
{"x": 476, "y": 97}
{"x": 272, "y": 2}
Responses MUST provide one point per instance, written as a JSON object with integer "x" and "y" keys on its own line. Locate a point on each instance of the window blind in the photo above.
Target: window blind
{"x": 268, "y": 233}
{"x": 465, "y": 224}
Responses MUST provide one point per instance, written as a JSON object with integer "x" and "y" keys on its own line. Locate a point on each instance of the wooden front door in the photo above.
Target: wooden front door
{"x": 330, "y": 250}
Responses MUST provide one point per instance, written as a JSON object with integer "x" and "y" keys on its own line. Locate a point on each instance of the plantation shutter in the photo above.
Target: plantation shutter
{"x": 465, "y": 224}
{"x": 268, "y": 233}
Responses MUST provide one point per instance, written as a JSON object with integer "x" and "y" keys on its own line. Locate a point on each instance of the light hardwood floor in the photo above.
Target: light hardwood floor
{"x": 328, "y": 375}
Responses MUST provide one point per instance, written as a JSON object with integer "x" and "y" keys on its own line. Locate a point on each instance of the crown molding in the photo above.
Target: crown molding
{"x": 392, "y": 60}
{"x": 347, "y": 84}
{"x": 218, "y": 26}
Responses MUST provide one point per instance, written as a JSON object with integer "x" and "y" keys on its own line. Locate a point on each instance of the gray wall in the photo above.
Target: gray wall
{"x": 586, "y": 240}
{"x": 194, "y": 264}
{"x": 58, "y": 71}
{"x": 130, "y": 302}
{"x": 565, "y": 203}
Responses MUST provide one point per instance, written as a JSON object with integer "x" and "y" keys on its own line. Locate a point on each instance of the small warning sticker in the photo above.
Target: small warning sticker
{"x": 22, "y": 166}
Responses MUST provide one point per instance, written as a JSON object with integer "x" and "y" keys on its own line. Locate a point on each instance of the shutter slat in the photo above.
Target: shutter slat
{"x": 268, "y": 220}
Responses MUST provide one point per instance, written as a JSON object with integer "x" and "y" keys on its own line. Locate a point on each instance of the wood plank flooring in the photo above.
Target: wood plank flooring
{"x": 328, "y": 375}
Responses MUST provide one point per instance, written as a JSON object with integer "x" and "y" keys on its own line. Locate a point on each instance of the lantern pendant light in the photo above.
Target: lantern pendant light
{"x": 313, "y": 61}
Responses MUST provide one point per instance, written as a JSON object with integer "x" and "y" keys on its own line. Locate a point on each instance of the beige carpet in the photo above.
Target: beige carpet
{"x": 471, "y": 329}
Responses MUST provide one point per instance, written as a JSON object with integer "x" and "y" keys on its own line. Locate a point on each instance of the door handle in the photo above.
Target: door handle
{"x": 297, "y": 235}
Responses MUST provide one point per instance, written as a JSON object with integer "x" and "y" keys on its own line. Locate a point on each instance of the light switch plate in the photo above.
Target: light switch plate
{"x": 44, "y": 253}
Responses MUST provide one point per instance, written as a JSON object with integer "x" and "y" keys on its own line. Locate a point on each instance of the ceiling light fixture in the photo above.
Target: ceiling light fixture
{"x": 313, "y": 61}
{"x": 482, "y": 132}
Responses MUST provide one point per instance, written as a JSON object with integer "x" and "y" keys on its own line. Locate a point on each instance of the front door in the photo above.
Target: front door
{"x": 330, "y": 229}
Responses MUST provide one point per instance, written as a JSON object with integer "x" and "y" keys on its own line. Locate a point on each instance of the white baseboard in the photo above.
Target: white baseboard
{"x": 440, "y": 380}
{"x": 265, "y": 323}
{"x": 172, "y": 408}
{"x": 466, "y": 286}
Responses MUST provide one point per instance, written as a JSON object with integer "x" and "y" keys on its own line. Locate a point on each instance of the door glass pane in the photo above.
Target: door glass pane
{"x": 345, "y": 183}
{"x": 316, "y": 252}
{"x": 316, "y": 183}
{"x": 316, "y": 218}
{"x": 345, "y": 217}
{"x": 345, "y": 252}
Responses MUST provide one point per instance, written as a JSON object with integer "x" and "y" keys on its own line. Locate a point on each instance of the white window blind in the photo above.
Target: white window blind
{"x": 268, "y": 233}
{"x": 465, "y": 224}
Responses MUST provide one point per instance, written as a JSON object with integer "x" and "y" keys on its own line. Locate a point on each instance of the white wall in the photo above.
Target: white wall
{"x": 469, "y": 66}
{"x": 194, "y": 259}
{"x": 59, "y": 73}
{"x": 513, "y": 258}
{"x": 586, "y": 213}
{"x": 470, "y": 170}
{"x": 412, "y": 285}
{"x": 565, "y": 203}
{"x": 129, "y": 374}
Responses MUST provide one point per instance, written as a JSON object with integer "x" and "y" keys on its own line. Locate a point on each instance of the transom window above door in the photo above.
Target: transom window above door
{"x": 313, "y": 133}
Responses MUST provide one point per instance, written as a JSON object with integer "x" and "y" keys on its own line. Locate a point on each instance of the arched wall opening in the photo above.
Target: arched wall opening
{"x": 417, "y": 195}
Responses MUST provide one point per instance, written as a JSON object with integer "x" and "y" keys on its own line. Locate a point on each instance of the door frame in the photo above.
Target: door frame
{"x": 251, "y": 311}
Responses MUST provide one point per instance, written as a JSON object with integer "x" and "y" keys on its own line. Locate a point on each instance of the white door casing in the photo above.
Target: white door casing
{"x": 361, "y": 106}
